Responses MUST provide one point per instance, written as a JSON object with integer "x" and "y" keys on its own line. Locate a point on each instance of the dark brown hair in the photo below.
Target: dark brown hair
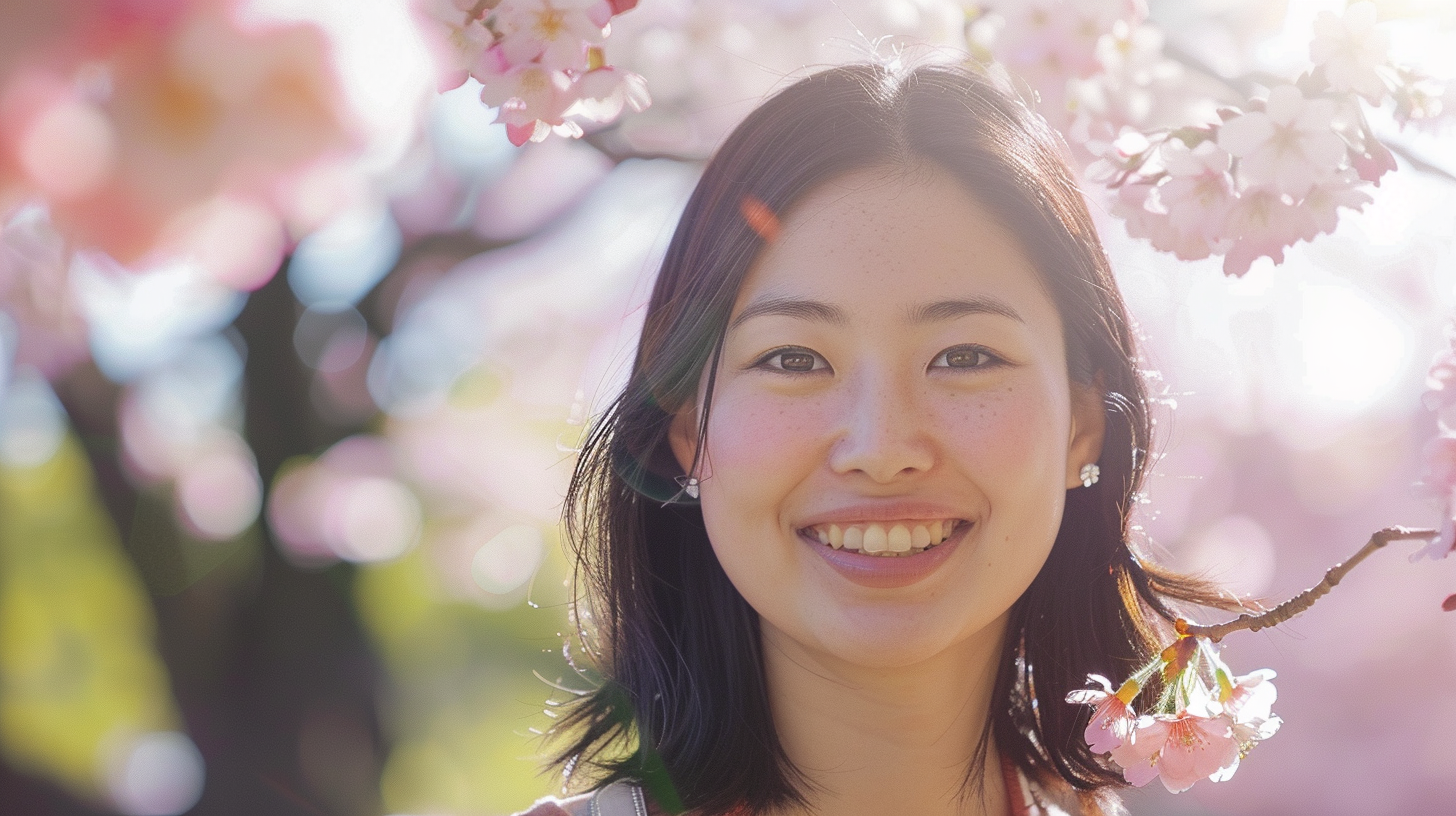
{"x": 683, "y": 690}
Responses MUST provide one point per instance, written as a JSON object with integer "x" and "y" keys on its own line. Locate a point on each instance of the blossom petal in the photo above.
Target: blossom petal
{"x": 1285, "y": 104}
{"x": 1243, "y": 135}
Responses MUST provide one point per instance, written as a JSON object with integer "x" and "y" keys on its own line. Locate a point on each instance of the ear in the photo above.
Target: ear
{"x": 682, "y": 435}
{"x": 1089, "y": 425}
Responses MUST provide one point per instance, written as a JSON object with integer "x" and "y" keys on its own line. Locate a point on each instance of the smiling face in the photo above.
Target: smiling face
{"x": 892, "y": 429}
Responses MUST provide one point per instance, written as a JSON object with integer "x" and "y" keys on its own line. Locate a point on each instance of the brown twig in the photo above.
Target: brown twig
{"x": 1304, "y": 600}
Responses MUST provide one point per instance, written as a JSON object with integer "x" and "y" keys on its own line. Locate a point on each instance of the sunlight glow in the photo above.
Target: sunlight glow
{"x": 1354, "y": 351}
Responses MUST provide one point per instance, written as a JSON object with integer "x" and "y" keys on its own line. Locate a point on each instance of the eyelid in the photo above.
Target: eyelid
{"x": 993, "y": 359}
{"x": 762, "y": 361}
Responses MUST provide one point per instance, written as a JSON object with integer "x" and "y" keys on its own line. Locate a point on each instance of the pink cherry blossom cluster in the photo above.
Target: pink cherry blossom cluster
{"x": 1439, "y": 482}
{"x": 1279, "y": 170}
{"x": 157, "y": 132}
{"x": 539, "y": 62}
{"x": 1203, "y": 723}
{"x": 1057, "y": 46}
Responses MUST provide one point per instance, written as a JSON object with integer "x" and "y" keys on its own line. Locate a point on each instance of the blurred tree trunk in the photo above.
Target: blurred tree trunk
{"x": 267, "y": 661}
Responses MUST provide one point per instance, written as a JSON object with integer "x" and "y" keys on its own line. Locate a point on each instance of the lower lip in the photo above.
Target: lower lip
{"x": 887, "y": 572}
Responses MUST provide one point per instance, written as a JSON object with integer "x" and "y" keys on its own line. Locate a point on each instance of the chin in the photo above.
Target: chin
{"x": 887, "y": 638}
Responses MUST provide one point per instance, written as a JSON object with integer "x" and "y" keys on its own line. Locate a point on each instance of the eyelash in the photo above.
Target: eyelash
{"x": 991, "y": 360}
{"x": 781, "y": 351}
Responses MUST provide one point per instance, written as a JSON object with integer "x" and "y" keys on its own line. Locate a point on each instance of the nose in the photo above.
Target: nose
{"x": 882, "y": 432}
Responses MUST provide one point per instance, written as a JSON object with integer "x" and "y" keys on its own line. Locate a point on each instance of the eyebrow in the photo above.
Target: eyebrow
{"x": 821, "y": 312}
{"x": 802, "y": 308}
{"x": 959, "y": 307}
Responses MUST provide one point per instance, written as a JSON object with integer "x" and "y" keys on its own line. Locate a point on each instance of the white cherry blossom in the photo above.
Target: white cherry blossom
{"x": 1262, "y": 223}
{"x": 1351, "y": 50}
{"x": 1289, "y": 146}
{"x": 1199, "y": 191}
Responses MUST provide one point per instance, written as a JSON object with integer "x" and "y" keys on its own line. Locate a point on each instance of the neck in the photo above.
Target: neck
{"x": 871, "y": 741}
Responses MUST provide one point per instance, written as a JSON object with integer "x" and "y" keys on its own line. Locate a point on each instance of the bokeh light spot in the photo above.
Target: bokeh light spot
{"x": 220, "y": 493}
{"x": 330, "y": 341}
{"x": 238, "y": 242}
{"x": 157, "y": 774}
{"x": 32, "y": 421}
{"x": 1235, "y": 552}
{"x": 372, "y": 519}
{"x": 339, "y": 263}
{"x": 509, "y": 559}
{"x": 70, "y": 150}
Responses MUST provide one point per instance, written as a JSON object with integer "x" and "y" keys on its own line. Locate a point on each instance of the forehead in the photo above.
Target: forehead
{"x": 880, "y": 239}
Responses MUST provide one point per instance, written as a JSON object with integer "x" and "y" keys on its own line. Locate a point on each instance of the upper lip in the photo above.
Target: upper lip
{"x": 900, "y": 510}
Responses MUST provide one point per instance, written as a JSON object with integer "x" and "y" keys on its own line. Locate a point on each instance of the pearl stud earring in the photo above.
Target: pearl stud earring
{"x": 1090, "y": 474}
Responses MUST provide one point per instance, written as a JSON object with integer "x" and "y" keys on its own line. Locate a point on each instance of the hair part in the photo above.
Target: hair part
{"x": 677, "y": 646}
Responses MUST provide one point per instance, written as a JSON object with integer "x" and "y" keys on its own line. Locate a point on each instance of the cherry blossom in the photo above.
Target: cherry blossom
{"x": 168, "y": 115}
{"x": 1262, "y": 224}
{"x": 540, "y": 62}
{"x": 1439, "y": 483}
{"x": 553, "y": 33}
{"x": 1199, "y": 191}
{"x": 1288, "y": 145}
{"x": 1324, "y": 201}
{"x": 1112, "y": 718}
{"x": 533, "y": 101}
{"x": 1351, "y": 50}
{"x": 1205, "y": 721}
{"x": 605, "y": 91}
{"x": 457, "y": 35}
{"x": 1441, "y": 380}
{"x": 1180, "y": 749}
{"x": 1137, "y": 82}
{"x": 1053, "y": 38}
{"x": 1248, "y": 700}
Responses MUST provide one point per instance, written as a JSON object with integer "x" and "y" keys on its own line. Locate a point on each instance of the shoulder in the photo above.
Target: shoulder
{"x": 551, "y": 806}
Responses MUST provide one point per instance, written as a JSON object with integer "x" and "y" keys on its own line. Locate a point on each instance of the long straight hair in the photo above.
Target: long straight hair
{"x": 683, "y": 692}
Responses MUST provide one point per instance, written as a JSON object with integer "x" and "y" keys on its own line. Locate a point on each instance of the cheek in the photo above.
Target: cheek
{"x": 762, "y": 441}
{"x": 1012, "y": 439}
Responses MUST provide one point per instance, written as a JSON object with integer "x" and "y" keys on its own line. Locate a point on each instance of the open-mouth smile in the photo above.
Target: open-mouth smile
{"x": 884, "y": 538}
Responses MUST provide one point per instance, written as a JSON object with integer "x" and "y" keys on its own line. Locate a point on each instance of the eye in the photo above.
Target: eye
{"x": 792, "y": 359}
{"x": 972, "y": 357}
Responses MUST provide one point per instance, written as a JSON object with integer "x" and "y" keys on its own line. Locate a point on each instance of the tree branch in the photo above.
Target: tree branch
{"x": 1416, "y": 161}
{"x": 1305, "y": 599}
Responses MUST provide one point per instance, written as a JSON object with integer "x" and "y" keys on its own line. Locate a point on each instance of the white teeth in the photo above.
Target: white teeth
{"x": 906, "y": 538}
{"x": 875, "y": 539}
{"x": 920, "y": 536}
{"x": 899, "y": 538}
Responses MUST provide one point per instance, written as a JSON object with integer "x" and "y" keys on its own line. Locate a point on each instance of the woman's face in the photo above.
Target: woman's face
{"x": 893, "y": 376}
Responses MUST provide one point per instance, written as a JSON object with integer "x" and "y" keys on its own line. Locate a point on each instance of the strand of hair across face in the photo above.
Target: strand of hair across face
{"x": 1305, "y": 599}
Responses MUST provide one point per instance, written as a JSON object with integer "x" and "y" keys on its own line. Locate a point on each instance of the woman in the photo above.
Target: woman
{"x": 859, "y": 520}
